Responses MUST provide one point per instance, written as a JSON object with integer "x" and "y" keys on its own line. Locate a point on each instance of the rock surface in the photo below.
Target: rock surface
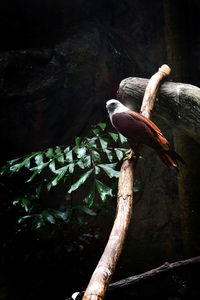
{"x": 50, "y": 95}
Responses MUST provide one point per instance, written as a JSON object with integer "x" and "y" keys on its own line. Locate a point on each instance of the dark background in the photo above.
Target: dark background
{"x": 59, "y": 62}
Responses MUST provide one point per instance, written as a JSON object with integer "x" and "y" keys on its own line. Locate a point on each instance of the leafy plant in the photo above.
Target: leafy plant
{"x": 71, "y": 166}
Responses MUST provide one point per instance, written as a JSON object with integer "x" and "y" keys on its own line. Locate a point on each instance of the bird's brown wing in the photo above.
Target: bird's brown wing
{"x": 140, "y": 130}
{"x": 159, "y": 137}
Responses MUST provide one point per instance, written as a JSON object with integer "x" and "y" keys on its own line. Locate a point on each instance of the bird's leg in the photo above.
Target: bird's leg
{"x": 134, "y": 151}
{"x": 131, "y": 154}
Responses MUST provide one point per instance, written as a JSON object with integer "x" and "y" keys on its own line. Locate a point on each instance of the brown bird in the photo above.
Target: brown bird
{"x": 139, "y": 130}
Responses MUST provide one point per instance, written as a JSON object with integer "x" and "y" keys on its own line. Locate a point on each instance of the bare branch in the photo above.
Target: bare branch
{"x": 102, "y": 275}
{"x": 165, "y": 268}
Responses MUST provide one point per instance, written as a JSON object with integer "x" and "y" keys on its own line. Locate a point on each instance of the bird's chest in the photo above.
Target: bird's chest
{"x": 128, "y": 126}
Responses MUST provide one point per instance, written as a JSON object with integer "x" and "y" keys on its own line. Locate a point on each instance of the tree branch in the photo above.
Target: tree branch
{"x": 178, "y": 105}
{"x": 165, "y": 268}
{"x": 102, "y": 275}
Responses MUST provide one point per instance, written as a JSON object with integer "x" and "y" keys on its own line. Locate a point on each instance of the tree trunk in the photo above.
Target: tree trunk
{"x": 178, "y": 52}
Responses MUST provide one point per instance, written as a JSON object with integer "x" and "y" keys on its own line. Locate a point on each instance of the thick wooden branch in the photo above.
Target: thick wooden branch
{"x": 106, "y": 266}
{"x": 165, "y": 268}
{"x": 177, "y": 103}
{"x": 102, "y": 275}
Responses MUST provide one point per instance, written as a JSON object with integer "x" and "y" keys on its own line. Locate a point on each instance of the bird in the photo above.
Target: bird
{"x": 140, "y": 131}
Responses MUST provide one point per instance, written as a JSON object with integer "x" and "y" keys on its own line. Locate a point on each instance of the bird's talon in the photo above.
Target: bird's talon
{"x": 130, "y": 154}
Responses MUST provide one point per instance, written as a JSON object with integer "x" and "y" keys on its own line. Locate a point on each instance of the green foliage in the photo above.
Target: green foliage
{"x": 91, "y": 157}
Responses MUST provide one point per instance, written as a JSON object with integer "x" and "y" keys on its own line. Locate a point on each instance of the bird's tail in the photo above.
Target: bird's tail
{"x": 170, "y": 158}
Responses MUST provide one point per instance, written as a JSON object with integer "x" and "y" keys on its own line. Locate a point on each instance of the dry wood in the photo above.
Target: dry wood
{"x": 151, "y": 90}
{"x": 166, "y": 267}
{"x": 102, "y": 275}
{"x": 105, "y": 268}
{"x": 178, "y": 105}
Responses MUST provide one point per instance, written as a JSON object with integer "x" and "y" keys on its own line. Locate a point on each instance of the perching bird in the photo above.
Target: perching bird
{"x": 139, "y": 130}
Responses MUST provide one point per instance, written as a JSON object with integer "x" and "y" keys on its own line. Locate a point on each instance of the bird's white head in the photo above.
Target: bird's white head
{"x": 114, "y": 106}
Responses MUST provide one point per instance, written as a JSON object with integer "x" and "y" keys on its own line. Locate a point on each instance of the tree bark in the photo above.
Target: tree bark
{"x": 178, "y": 45}
{"x": 177, "y": 103}
{"x": 165, "y": 268}
{"x": 102, "y": 275}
